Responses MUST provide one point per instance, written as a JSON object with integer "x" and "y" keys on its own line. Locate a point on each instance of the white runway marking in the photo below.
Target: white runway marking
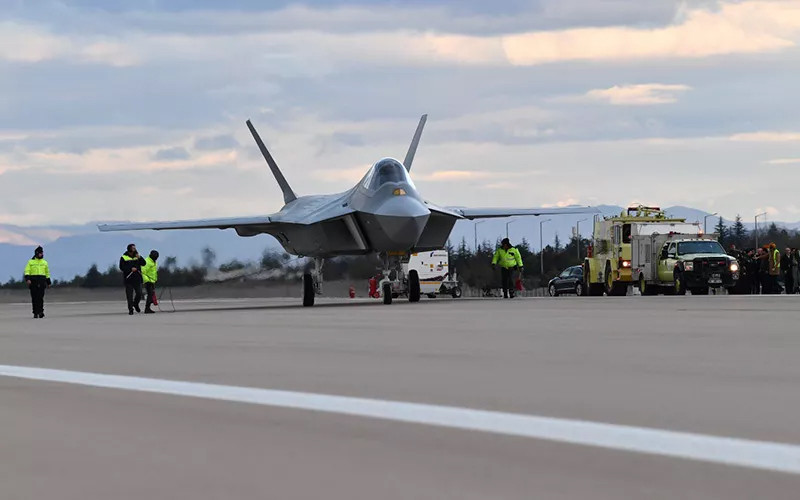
{"x": 729, "y": 451}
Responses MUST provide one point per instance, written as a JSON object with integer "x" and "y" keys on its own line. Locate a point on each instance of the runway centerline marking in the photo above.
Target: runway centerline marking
{"x": 723, "y": 450}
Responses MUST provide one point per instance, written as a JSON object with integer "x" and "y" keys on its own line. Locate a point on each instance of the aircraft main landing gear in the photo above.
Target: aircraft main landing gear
{"x": 395, "y": 282}
{"x": 312, "y": 283}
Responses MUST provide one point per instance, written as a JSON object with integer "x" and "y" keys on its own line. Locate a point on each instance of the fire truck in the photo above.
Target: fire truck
{"x": 607, "y": 267}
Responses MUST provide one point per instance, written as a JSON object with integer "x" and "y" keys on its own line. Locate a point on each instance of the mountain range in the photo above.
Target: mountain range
{"x": 72, "y": 249}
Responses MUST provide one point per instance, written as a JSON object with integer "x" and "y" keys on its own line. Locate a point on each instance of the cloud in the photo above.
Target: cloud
{"x": 638, "y": 94}
{"x": 32, "y": 44}
{"x": 766, "y": 137}
{"x": 733, "y": 28}
{"x": 784, "y": 161}
{"x": 216, "y": 142}
{"x": 169, "y": 154}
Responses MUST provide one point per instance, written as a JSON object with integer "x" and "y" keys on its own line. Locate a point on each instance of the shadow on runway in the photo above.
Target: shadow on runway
{"x": 262, "y": 307}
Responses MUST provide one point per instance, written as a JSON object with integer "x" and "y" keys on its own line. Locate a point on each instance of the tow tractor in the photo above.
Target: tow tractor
{"x": 425, "y": 273}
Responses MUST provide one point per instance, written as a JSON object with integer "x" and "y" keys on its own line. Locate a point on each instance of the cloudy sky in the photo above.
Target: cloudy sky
{"x": 115, "y": 110}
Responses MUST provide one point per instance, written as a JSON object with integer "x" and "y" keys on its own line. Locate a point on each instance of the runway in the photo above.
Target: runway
{"x": 663, "y": 372}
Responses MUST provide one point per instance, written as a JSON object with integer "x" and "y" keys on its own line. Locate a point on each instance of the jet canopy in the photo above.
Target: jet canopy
{"x": 386, "y": 171}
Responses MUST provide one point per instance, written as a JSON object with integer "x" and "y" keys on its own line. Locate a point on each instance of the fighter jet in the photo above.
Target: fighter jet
{"x": 383, "y": 214}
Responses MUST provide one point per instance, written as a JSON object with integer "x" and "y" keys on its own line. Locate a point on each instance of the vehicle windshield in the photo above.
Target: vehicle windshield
{"x": 690, "y": 247}
{"x": 385, "y": 171}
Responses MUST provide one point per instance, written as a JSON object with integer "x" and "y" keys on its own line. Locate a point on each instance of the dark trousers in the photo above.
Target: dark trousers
{"x": 754, "y": 286}
{"x": 506, "y": 281}
{"x": 150, "y": 292}
{"x": 788, "y": 281}
{"x": 37, "y": 296}
{"x": 133, "y": 292}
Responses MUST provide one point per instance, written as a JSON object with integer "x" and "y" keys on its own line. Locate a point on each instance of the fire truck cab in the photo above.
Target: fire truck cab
{"x": 607, "y": 267}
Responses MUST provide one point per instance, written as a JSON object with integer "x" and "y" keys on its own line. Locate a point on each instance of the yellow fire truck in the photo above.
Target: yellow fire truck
{"x": 607, "y": 267}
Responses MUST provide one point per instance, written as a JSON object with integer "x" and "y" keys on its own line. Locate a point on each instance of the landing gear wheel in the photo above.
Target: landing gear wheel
{"x": 552, "y": 291}
{"x": 413, "y": 286}
{"x": 387, "y": 293}
{"x": 308, "y": 290}
{"x": 680, "y": 285}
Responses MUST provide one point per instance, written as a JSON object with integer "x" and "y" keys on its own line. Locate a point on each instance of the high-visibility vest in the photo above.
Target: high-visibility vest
{"x": 37, "y": 267}
{"x": 150, "y": 271}
{"x": 507, "y": 258}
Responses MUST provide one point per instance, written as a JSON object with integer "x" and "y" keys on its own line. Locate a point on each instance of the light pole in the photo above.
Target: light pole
{"x": 508, "y": 223}
{"x": 705, "y": 218}
{"x": 476, "y": 232}
{"x": 763, "y": 214}
{"x": 578, "y": 237}
{"x": 541, "y": 247}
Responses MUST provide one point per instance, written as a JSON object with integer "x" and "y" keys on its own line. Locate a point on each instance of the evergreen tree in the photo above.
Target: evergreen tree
{"x": 722, "y": 231}
{"x": 558, "y": 244}
{"x": 93, "y": 278}
{"x": 738, "y": 234}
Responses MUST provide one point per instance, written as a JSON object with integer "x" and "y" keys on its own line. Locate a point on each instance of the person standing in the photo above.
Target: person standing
{"x": 774, "y": 268}
{"x": 762, "y": 256}
{"x": 37, "y": 277}
{"x": 787, "y": 268}
{"x": 150, "y": 277}
{"x": 131, "y": 266}
{"x": 509, "y": 259}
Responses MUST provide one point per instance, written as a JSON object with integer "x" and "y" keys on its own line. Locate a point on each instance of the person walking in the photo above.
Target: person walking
{"x": 37, "y": 277}
{"x": 787, "y": 269}
{"x": 131, "y": 264}
{"x": 150, "y": 277}
{"x": 509, "y": 259}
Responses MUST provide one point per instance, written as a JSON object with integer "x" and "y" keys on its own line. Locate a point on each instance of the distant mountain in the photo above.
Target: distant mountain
{"x": 71, "y": 250}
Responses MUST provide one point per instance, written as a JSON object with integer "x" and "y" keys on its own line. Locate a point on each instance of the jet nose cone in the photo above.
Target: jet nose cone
{"x": 401, "y": 221}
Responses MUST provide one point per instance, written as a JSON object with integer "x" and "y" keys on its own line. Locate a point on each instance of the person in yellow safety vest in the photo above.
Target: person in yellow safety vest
{"x": 774, "y": 268}
{"x": 37, "y": 277}
{"x": 509, "y": 259}
{"x": 150, "y": 277}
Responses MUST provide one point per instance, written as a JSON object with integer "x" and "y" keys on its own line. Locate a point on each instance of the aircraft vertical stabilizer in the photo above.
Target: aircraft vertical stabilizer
{"x": 412, "y": 149}
{"x": 288, "y": 194}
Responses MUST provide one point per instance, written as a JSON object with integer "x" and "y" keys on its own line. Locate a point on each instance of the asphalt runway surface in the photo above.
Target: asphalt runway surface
{"x": 251, "y": 416}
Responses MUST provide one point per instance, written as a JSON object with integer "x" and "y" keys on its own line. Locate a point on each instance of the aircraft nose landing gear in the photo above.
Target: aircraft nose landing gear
{"x": 395, "y": 282}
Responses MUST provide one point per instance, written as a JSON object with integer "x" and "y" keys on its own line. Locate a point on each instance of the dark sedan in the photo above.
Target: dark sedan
{"x": 569, "y": 281}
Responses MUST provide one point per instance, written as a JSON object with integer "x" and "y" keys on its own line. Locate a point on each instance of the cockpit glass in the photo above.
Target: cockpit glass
{"x": 386, "y": 171}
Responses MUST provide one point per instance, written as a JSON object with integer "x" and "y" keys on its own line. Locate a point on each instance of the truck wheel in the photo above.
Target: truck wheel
{"x": 680, "y": 285}
{"x": 609, "y": 280}
{"x": 579, "y": 290}
{"x": 413, "y": 286}
{"x": 387, "y": 293}
{"x": 646, "y": 289}
{"x": 457, "y": 292}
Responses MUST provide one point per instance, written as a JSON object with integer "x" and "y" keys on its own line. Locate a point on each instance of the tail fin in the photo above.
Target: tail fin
{"x": 412, "y": 149}
{"x": 288, "y": 194}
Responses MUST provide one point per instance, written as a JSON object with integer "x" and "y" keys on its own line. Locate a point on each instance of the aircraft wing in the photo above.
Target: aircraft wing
{"x": 231, "y": 222}
{"x": 490, "y": 213}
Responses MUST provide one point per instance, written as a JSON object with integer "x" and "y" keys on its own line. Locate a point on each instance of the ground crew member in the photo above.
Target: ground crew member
{"x": 131, "y": 266}
{"x": 774, "y": 268}
{"x": 37, "y": 276}
{"x": 787, "y": 267}
{"x": 150, "y": 277}
{"x": 509, "y": 259}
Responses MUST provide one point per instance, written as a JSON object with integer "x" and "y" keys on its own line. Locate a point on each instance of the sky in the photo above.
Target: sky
{"x": 113, "y": 110}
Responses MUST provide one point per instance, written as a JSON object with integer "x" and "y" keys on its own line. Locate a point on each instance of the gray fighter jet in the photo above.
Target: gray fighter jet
{"x": 383, "y": 214}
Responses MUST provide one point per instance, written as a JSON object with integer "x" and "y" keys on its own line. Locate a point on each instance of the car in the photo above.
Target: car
{"x": 569, "y": 281}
